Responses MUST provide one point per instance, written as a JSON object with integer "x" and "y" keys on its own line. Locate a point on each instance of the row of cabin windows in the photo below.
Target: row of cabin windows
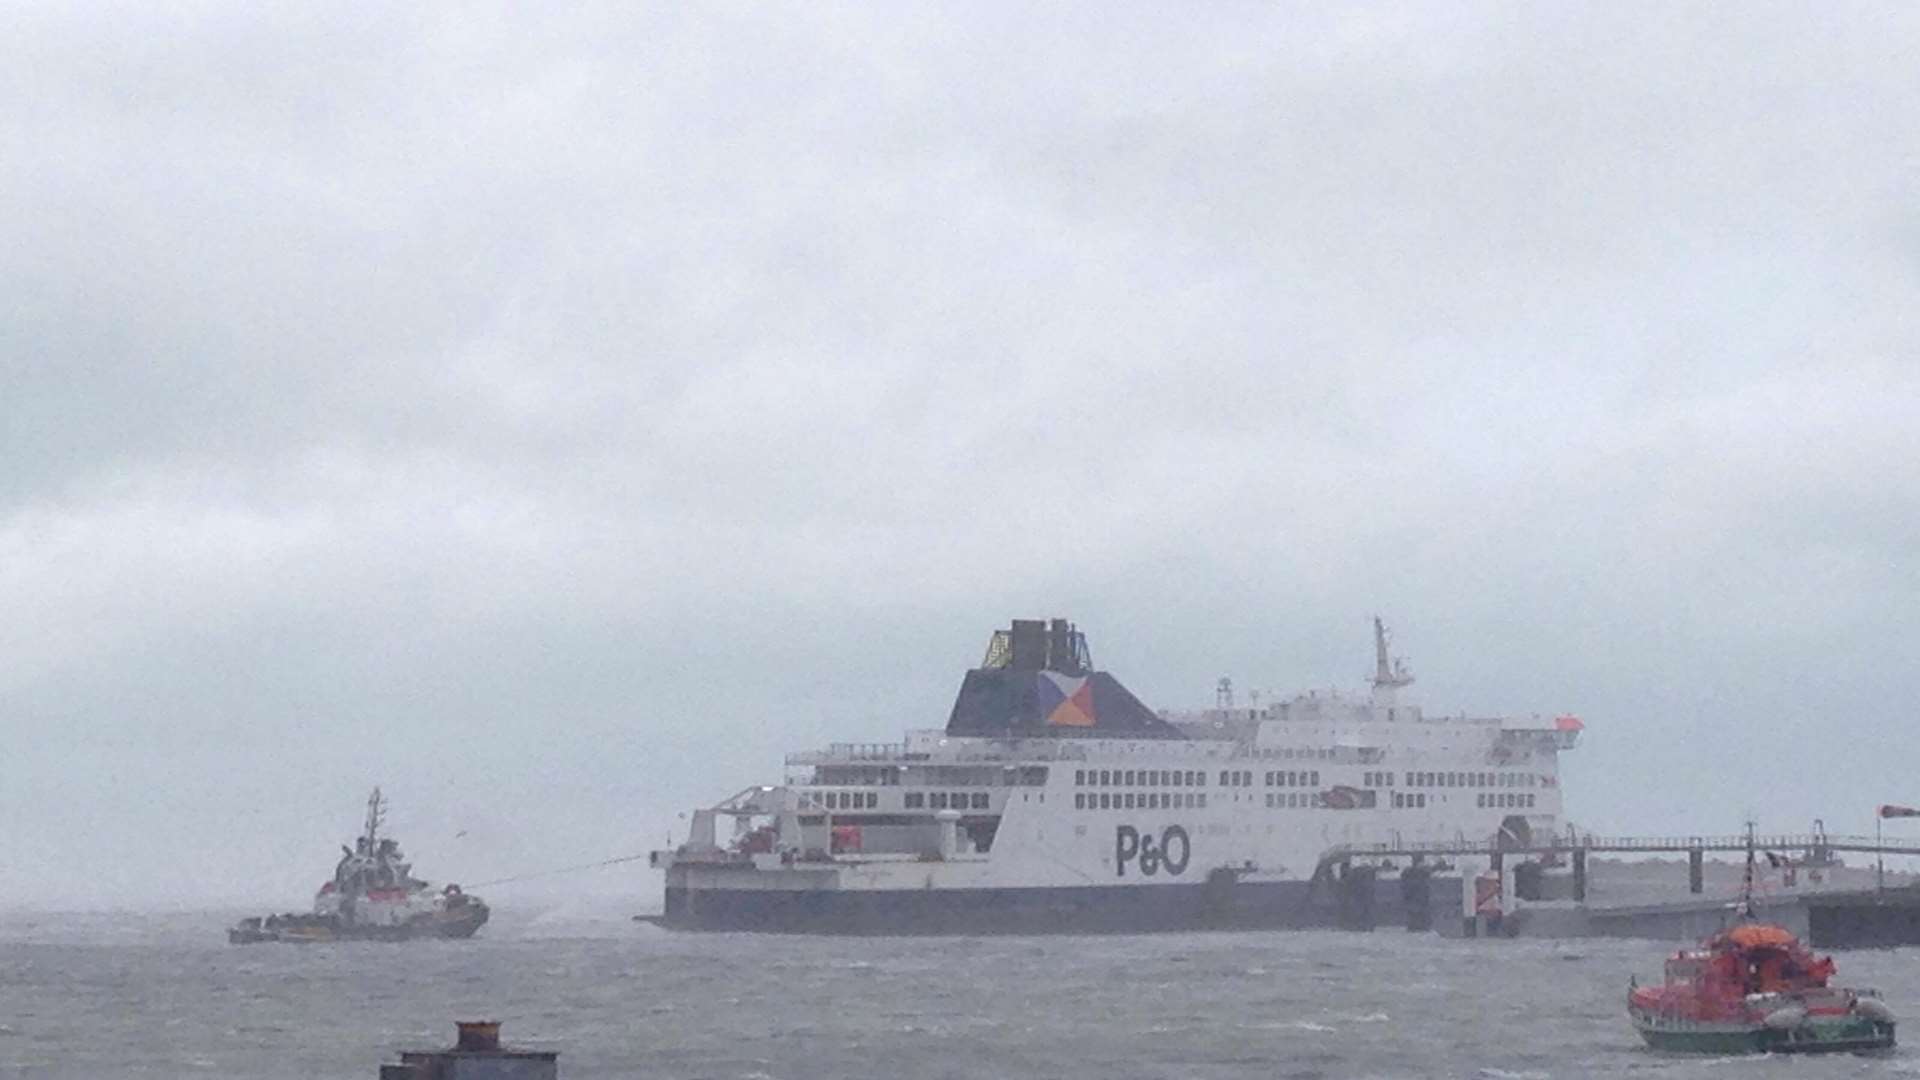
{"x": 1470, "y": 779}
{"x": 864, "y": 775}
{"x": 941, "y": 800}
{"x": 852, "y": 800}
{"x": 1377, "y": 779}
{"x": 1232, "y": 778}
{"x": 1521, "y": 800}
{"x": 1144, "y": 800}
{"x": 1296, "y": 800}
{"x": 1317, "y": 753}
{"x": 1409, "y": 800}
{"x": 1140, "y": 778}
{"x": 1290, "y": 778}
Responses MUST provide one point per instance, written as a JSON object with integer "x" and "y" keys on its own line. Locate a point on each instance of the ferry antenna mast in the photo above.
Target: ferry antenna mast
{"x": 1389, "y": 673}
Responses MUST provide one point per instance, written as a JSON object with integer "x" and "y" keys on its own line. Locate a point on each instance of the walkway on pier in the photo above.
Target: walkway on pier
{"x": 1817, "y": 848}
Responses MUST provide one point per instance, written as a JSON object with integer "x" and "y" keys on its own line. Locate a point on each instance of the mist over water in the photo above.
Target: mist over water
{"x": 126, "y": 996}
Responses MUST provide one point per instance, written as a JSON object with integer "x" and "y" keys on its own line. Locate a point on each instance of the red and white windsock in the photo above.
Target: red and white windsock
{"x": 1889, "y": 810}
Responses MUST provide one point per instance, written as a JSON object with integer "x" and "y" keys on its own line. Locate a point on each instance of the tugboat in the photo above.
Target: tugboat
{"x": 1755, "y": 989}
{"x": 373, "y": 896}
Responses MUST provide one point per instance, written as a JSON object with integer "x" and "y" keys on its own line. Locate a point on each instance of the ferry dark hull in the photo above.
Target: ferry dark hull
{"x": 1289, "y": 905}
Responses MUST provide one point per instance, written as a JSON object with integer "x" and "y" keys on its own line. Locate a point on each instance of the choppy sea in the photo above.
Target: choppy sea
{"x": 122, "y": 995}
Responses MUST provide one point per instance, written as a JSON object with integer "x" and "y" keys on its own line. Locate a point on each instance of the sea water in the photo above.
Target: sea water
{"x": 130, "y": 995}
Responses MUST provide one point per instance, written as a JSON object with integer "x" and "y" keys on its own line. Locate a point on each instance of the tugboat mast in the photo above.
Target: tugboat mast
{"x": 376, "y": 813}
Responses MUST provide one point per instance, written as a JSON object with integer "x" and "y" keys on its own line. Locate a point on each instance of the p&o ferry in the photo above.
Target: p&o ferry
{"x": 1054, "y": 800}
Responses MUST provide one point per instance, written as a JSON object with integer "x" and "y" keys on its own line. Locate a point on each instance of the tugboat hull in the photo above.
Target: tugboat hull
{"x": 308, "y": 930}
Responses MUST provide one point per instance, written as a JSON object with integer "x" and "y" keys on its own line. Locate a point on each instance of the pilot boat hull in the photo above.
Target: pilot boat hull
{"x": 1850, "y": 1034}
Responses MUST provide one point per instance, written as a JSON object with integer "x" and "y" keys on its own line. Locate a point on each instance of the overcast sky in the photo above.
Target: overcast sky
{"x": 556, "y": 416}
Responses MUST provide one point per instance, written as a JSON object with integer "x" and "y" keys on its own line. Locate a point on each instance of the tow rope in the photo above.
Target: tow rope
{"x": 551, "y": 873}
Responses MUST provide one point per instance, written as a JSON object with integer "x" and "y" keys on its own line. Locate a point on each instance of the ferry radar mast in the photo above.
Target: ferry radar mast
{"x": 1389, "y": 673}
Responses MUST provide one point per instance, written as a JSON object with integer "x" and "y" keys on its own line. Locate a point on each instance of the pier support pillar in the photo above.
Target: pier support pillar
{"x": 1416, "y": 896}
{"x": 1356, "y": 887}
{"x": 1580, "y": 876}
{"x": 1696, "y": 871}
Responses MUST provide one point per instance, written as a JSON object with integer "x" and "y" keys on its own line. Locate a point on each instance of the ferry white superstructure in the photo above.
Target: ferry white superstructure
{"x": 1054, "y": 800}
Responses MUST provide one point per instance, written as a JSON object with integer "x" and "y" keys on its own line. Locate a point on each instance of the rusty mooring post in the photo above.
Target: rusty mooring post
{"x": 476, "y": 1055}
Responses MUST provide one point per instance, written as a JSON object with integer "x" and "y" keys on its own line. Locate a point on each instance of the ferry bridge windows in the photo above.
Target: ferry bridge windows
{"x": 980, "y": 800}
{"x": 937, "y": 800}
{"x": 916, "y": 800}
